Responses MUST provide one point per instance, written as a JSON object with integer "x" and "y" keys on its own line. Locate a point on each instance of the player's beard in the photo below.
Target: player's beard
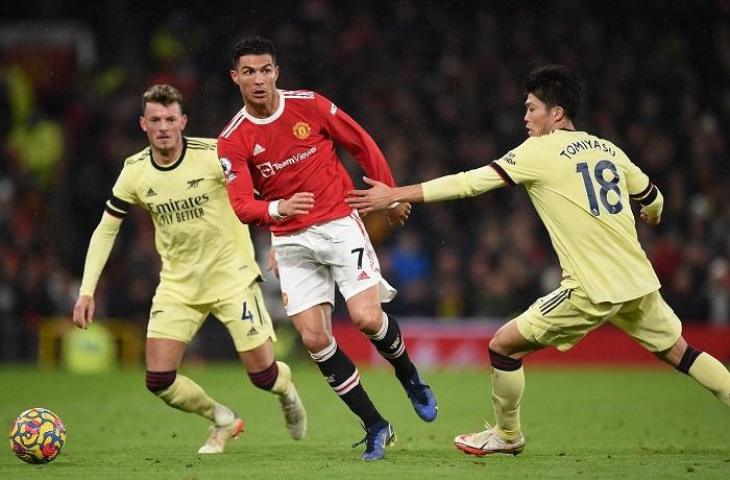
{"x": 165, "y": 146}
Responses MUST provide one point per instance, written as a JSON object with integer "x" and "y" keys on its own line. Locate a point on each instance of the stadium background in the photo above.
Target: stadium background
{"x": 438, "y": 84}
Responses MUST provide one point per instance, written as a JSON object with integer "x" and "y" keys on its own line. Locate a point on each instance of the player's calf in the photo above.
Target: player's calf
{"x": 183, "y": 394}
{"x": 389, "y": 341}
{"x": 344, "y": 379}
{"x": 159, "y": 381}
{"x": 707, "y": 371}
{"x": 277, "y": 379}
{"x": 180, "y": 392}
{"x": 265, "y": 379}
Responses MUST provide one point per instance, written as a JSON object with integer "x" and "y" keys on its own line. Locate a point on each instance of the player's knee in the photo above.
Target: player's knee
{"x": 159, "y": 381}
{"x": 495, "y": 344}
{"x": 367, "y": 319}
{"x": 315, "y": 340}
{"x": 265, "y": 379}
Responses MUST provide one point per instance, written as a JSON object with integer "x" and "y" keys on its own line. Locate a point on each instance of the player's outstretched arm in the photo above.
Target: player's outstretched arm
{"x": 460, "y": 185}
{"x": 381, "y": 196}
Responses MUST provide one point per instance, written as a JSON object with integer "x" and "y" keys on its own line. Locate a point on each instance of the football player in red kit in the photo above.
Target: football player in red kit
{"x": 281, "y": 145}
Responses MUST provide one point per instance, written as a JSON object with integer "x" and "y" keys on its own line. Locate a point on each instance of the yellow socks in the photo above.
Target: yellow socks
{"x": 507, "y": 388}
{"x": 283, "y": 380}
{"x": 188, "y": 396}
{"x": 712, "y": 375}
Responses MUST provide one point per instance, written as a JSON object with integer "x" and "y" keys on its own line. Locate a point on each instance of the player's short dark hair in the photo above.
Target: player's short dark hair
{"x": 162, "y": 93}
{"x": 556, "y": 86}
{"x": 253, "y": 46}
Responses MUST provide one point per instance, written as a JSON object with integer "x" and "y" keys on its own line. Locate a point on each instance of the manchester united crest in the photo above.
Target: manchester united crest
{"x": 302, "y": 130}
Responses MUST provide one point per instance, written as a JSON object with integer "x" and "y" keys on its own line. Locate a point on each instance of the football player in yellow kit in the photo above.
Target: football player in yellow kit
{"x": 581, "y": 186}
{"x": 208, "y": 267}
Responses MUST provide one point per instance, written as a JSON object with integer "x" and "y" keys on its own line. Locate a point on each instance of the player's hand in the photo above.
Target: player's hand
{"x": 649, "y": 217}
{"x": 399, "y": 214}
{"x": 272, "y": 264}
{"x": 376, "y": 198}
{"x": 84, "y": 311}
{"x": 301, "y": 203}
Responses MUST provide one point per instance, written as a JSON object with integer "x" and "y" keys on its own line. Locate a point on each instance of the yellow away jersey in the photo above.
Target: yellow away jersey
{"x": 206, "y": 251}
{"x": 580, "y": 186}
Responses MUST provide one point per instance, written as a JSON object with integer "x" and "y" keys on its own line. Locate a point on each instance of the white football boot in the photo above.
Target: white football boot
{"x": 294, "y": 413}
{"x": 489, "y": 441}
{"x": 221, "y": 433}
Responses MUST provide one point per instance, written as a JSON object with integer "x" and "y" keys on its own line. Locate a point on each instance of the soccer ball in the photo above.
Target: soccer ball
{"x": 37, "y": 435}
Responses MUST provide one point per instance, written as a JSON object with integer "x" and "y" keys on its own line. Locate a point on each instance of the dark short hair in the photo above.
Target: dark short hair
{"x": 253, "y": 46}
{"x": 556, "y": 86}
{"x": 162, "y": 93}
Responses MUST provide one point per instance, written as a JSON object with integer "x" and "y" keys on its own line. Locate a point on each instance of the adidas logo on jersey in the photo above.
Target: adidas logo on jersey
{"x": 150, "y": 193}
{"x": 363, "y": 276}
{"x": 252, "y": 332}
{"x": 258, "y": 149}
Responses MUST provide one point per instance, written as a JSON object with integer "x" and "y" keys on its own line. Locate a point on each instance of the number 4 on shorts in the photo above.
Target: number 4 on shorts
{"x": 247, "y": 314}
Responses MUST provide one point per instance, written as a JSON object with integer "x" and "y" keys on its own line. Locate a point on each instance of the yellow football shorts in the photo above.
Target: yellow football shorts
{"x": 244, "y": 315}
{"x": 563, "y": 317}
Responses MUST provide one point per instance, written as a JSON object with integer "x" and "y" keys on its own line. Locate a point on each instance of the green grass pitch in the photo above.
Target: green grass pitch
{"x": 579, "y": 423}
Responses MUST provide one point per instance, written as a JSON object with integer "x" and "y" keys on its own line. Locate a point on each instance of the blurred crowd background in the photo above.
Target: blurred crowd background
{"x": 437, "y": 84}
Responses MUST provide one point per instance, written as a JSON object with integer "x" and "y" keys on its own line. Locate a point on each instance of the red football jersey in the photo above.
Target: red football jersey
{"x": 293, "y": 151}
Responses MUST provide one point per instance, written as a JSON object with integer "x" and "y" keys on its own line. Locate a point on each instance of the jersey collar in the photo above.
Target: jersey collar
{"x": 274, "y": 116}
{"x": 174, "y": 164}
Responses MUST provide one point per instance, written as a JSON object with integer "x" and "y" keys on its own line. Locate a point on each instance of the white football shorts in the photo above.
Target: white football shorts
{"x": 312, "y": 260}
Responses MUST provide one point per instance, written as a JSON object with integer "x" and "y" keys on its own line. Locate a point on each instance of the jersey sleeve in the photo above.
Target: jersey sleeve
{"x": 239, "y": 185}
{"x": 462, "y": 185}
{"x": 521, "y": 165}
{"x": 642, "y": 190}
{"x": 637, "y": 181}
{"x": 102, "y": 240}
{"x": 347, "y": 132}
{"x": 123, "y": 195}
{"x": 100, "y": 246}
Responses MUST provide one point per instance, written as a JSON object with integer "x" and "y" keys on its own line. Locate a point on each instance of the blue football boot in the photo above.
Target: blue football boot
{"x": 423, "y": 400}
{"x": 377, "y": 437}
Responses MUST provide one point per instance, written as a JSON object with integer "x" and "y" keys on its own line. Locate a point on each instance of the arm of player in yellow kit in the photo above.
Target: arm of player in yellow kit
{"x": 100, "y": 246}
